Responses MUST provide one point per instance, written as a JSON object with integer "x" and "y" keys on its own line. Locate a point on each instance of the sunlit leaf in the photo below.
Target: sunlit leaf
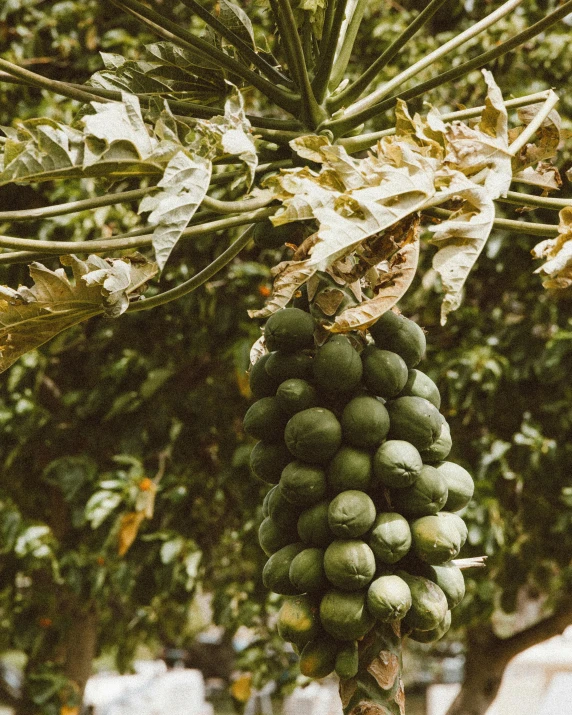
{"x": 29, "y": 317}
{"x": 557, "y": 271}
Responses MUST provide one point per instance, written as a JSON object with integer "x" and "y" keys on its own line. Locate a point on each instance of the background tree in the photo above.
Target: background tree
{"x": 138, "y": 367}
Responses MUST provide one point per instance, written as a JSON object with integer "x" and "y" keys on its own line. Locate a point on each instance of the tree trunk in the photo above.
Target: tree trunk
{"x": 71, "y": 652}
{"x": 377, "y": 689}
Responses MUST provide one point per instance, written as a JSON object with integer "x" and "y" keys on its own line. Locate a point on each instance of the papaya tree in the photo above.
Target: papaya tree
{"x": 337, "y": 160}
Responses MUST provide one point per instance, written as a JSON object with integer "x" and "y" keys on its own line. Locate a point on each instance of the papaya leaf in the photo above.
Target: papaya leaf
{"x": 557, "y": 271}
{"x": 544, "y": 175}
{"x": 393, "y": 278}
{"x": 547, "y": 138}
{"x": 234, "y": 17}
{"x": 29, "y": 317}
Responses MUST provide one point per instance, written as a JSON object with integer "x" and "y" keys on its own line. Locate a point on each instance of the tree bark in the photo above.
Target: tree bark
{"x": 488, "y": 655}
{"x": 377, "y": 689}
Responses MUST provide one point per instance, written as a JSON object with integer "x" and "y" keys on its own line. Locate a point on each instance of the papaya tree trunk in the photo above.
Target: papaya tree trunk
{"x": 377, "y": 689}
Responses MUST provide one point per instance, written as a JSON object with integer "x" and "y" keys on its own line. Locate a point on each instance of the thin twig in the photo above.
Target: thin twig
{"x": 477, "y": 562}
{"x": 533, "y": 229}
{"x": 543, "y": 202}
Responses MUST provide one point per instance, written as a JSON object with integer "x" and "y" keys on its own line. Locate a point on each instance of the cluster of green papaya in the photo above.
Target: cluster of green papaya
{"x": 360, "y": 526}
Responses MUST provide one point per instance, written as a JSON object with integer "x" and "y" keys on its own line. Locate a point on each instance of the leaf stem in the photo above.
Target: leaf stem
{"x": 240, "y": 206}
{"x": 322, "y": 78}
{"x": 551, "y": 101}
{"x": 312, "y": 113}
{"x": 265, "y": 67}
{"x": 341, "y": 126}
{"x": 52, "y": 85}
{"x": 173, "y": 32}
{"x": 144, "y": 241}
{"x": 197, "y": 280}
{"x": 354, "y": 90}
{"x": 327, "y": 28}
{"x": 364, "y": 141}
{"x": 534, "y": 229}
{"x": 75, "y": 206}
{"x": 543, "y": 202}
{"x": 397, "y": 81}
{"x": 344, "y": 50}
{"x": 286, "y": 43}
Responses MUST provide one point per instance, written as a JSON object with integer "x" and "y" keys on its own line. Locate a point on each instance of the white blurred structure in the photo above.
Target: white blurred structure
{"x": 537, "y": 682}
{"x": 151, "y": 691}
{"x": 314, "y": 699}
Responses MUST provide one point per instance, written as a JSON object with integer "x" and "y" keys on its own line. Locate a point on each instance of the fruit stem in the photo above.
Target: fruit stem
{"x": 378, "y": 686}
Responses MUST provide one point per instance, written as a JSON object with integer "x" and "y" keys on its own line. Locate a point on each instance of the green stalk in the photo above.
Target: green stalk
{"x": 349, "y": 37}
{"x": 365, "y": 141}
{"x": 534, "y": 229}
{"x": 543, "y": 202}
{"x": 377, "y": 95}
{"x": 377, "y": 688}
{"x": 341, "y": 126}
{"x": 199, "y": 279}
{"x": 179, "y": 36}
{"x": 354, "y": 90}
{"x": 312, "y": 113}
{"x": 530, "y": 130}
{"x": 240, "y": 206}
{"x": 13, "y": 257}
{"x": 75, "y": 206}
{"x": 52, "y": 85}
{"x": 286, "y": 43}
{"x": 117, "y": 244}
{"x": 227, "y": 176}
{"x": 327, "y": 28}
{"x": 322, "y": 78}
{"x": 245, "y": 49}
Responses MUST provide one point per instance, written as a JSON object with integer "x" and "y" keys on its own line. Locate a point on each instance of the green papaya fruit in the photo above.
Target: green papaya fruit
{"x": 268, "y": 459}
{"x": 450, "y": 580}
{"x": 349, "y": 564}
{"x": 289, "y": 330}
{"x": 337, "y": 366}
{"x": 459, "y": 483}
{"x": 265, "y": 420}
{"x": 313, "y": 526}
{"x": 344, "y": 615}
{"x": 388, "y": 598}
{"x": 307, "y": 571}
{"x": 295, "y": 395}
{"x": 283, "y": 512}
{"x": 299, "y": 620}
{"x": 401, "y": 335}
{"x": 390, "y": 537}
{"x": 351, "y": 514}
{"x": 313, "y": 435}
{"x": 384, "y": 372}
{"x": 349, "y": 469}
{"x": 434, "y": 634}
{"x": 436, "y": 538}
{"x": 275, "y": 574}
{"x": 397, "y": 463}
{"x": 285, "y": 366}
{"x": 318, "y": 658}
{"x": 365, "y": 422}
{"x": 261, "y": 384}
{"x": 273, "y": 537}
{"x": 415, "y": 420}
{"x": 302, "y": 484}
{"x": 421, "y": 385}
{"x": 427, "y": 495}
{"x": 428, "y": 603}
{"x": 441, "y": 447}
{"x": 347, "y": 660}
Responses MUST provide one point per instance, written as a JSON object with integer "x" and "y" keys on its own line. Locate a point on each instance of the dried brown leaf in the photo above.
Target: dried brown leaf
{"x": 385, "y": 669}
{"x": 128, "y": 530}
{"x": 347, "y": 690}
{"x": 558, "y": 252}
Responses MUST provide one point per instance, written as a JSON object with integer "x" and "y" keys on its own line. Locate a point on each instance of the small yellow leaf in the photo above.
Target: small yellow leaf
{"x": 68, "y": 710}
{"x": 128, "y": 529}
{"x": 241, "y": 688}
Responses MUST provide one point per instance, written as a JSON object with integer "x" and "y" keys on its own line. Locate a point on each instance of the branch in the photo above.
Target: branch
{"x": 365, "y": 141}
{"x": 342, "y": 125}
{"x": 322, "y": 78}
{"x": 534, "y": 229}
{"x": 178, "y": 35}
{"x": 432, "y": 57}
{"x": 349, "y": 34}
{"x": 547, "y": 628}
{"x": 354, "y": 90}
{"x": 121, "y": 244}
{"x": 199, "y": 279}
{"x": 75, "y": 206}
{"x": 312, "y": 114}
{"x": 258, "y": 61}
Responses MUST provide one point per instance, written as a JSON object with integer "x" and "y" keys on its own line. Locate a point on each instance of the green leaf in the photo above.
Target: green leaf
{"x": 234, "y": 17}
{"x": 70, "y": 474}
{"x": 29, "y": 317}
{"x": 100, "y": 505}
